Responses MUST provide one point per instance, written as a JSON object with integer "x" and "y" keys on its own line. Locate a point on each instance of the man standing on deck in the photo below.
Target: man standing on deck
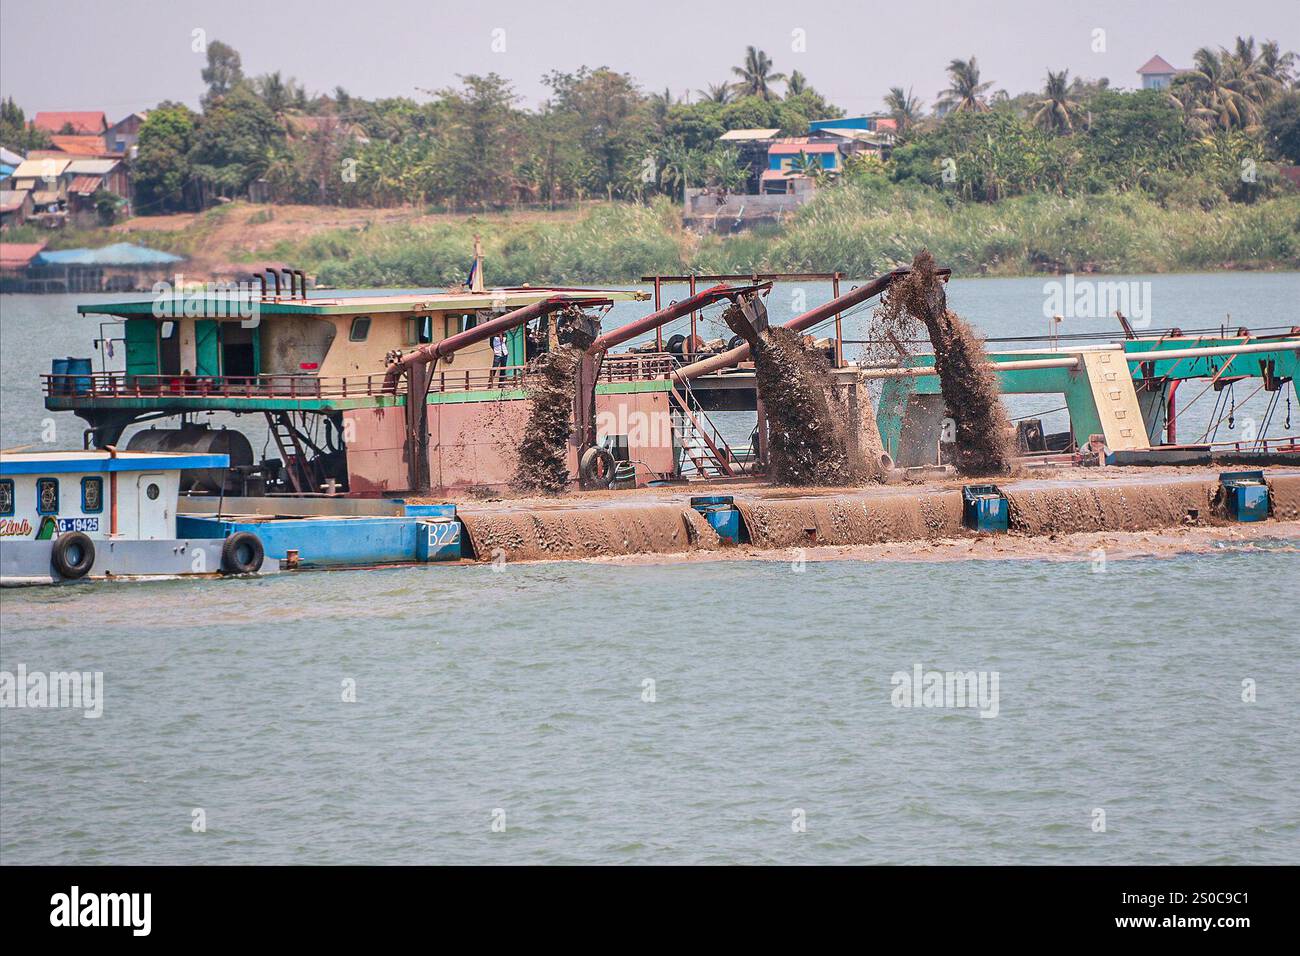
{"x": 499, "y": 355}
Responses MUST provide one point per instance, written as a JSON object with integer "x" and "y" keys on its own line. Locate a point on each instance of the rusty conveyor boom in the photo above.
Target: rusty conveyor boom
{"x": 799, "y": 323}
{"x": 675, "y": 310}
{"x": 503, "y": 323}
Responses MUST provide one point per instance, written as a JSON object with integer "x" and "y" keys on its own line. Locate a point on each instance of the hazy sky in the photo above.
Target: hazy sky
{"x": 124, "y": 55}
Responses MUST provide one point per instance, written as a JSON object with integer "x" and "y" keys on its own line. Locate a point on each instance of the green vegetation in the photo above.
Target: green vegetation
{"x": 863, "y": 228}
{"x": 1075, "y": 176}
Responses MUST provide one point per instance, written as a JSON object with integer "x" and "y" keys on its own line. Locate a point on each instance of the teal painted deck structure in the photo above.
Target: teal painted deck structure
{"x": 1073, "y": 383}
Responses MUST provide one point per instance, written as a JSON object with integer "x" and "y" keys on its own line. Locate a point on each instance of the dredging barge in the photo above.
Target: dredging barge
{"x": 396, "y": 397}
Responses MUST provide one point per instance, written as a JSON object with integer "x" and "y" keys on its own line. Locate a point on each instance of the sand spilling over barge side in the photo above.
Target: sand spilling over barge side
{"x": 967, "y": 380}
{"x": 543, "y": 464}
{"x": 850, "y": 519}
{"x": 1040, "y": 508}
{"x": 571, "y": 533}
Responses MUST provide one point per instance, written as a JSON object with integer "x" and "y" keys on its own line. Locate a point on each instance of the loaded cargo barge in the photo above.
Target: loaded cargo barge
{"x": 386, "y": 409}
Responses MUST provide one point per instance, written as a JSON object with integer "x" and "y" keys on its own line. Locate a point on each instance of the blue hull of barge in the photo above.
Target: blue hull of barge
{"x": 424, "y": 533}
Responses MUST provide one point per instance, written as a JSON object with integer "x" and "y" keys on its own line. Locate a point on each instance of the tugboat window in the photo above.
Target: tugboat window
{"x": 92, "y": 495}
{"x": 420, "y": 330}
{"x": 360, "y": 329}
{"x": 6, "y": 496}
{"x": 153, "y": 491}
{"x": 47, "y": 496}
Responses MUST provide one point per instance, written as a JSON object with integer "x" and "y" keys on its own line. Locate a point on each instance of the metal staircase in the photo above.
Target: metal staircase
{"x": 302, "y": 471}
{"x": 704, "y": 453}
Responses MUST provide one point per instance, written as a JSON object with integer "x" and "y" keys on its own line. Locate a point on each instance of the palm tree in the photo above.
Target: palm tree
{"x": 721, "y": 93}
{"x": 722, "y": 169}
{"x": 678, "y": 168}
{"x": 904, "y": 107}
{"x": 1276, "y": 65}
{"x": 1246, "y": 63}
{"x": 798, "y": 83}
{"x": 275, "y": 92}
{"x": 660, "y": 104}
{"x": 1216, "y": 93}
{"x": 809, "y": 166}
{"x": 965, "y": 92}
{"x": 756, "y": 76}
{"x": 1056, "y": 111}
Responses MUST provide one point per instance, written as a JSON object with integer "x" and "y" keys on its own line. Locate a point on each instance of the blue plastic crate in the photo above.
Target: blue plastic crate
{"x": 1246, "y": 495}
{"x": 723, "y": 516}
{"x": 985, "y": 508}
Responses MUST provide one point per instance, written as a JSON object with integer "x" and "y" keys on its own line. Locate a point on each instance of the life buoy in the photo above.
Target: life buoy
{"x": 73, "y": 555}
{"x": 596, "y": 467}
{"x": 242, "y": 553}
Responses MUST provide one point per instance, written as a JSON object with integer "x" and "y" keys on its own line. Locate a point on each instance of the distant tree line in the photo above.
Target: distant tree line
{"x": 1212, "y": 136}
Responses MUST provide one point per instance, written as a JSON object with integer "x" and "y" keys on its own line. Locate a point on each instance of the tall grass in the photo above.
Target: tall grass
{"x": 859, "y": 229}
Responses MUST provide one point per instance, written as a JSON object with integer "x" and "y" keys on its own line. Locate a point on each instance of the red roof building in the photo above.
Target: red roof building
{"x": 15, "y": 256}
{"x": 82, "y": 123}
{"x": 1157, "y": 73}
{"x": 89, "y": 146}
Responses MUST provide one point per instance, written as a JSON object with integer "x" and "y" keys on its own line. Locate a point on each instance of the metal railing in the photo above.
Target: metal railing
{"x": 448, "y": 378}
{"x": 122, "y": 385}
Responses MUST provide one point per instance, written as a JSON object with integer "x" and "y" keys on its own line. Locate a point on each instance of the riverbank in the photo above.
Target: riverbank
{"x": 858, "y": 230}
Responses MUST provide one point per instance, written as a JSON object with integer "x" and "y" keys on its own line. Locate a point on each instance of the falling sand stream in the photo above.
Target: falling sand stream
{"x": 967, "y": 380}
{"x": 808, "y": 431}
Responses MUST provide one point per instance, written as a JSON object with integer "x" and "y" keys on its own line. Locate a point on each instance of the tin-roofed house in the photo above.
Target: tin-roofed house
{"x": 787, "y": 157}
{"x": 86, "y": 178}
{"x": 121, "y": 267}
{"x": 15, "y": 207}
{"x": 122, "y": 136}
{"x": 751, "y": 145}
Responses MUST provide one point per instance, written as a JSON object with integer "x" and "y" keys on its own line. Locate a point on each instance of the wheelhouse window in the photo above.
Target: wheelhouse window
{"x": 47, "y": 496}
{"x": 6, "y": 497}
{"x": 461, "y": 323}
{"x": 360, "y": 330}
{"x": 419, "y": 330}
{"x": 92, "y": 495}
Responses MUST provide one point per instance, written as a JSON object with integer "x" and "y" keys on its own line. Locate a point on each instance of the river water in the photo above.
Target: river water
{"x": 710, "y": 712}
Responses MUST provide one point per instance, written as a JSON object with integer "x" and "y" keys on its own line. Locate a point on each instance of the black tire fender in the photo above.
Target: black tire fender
{"x": 73, "y": 555}
{"x": 242, "y": 553}
{"x": 596, "y": 467}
